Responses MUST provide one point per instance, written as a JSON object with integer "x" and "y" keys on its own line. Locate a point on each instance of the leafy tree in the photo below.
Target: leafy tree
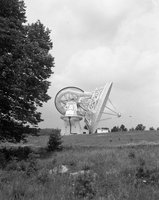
{"x": 123, "y": 128}
{"x": 151, "y": 128}
{"x": 132, "y": 129}
{"x": 25, "y": 66}
{"x": 140, "y": 127}
{"x": 115, "y": 129}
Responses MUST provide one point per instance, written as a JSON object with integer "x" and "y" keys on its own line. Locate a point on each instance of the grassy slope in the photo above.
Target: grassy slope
{"x": 105, "y": 140}
{"x": 122, "y": 173}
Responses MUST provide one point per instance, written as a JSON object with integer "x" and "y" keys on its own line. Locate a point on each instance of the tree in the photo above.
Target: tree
{"x": 25, "y": 66}
{"x": 132, "y": 129}
{"x": 115, "y": 129}
{"x": 55, "y": 140}
{"x": 140, "y": 127}
{"x": 123, "y": 128}
{"x": 151, "y": 128}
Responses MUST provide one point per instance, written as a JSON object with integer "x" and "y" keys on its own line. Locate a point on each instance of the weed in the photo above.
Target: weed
{"x": 85, "y": 186}
{"x": 131, "y": 155}
{"x": 85, "y": 165}
{"x": 32, "y": 166}
{"x": 3, "y": 160}
{"x": 9, "y": 155}
{"x": 43, "y": 176}
{"x": 124, "y": 173}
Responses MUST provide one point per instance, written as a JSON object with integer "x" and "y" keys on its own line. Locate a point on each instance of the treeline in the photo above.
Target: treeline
{"x": 139, "y": 127}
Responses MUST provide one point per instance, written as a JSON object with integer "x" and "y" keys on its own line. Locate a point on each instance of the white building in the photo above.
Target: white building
{"x": 102, "y": 130}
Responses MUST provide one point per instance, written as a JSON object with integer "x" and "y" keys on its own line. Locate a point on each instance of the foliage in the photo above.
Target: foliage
{"x": 43, "y": 176}
{"x": 113, "y": 173}
{"x": 21, "y": 159}
{"x": 140, "y": 127}
{"x": 32, "y": 164}
{"x": 123, "y": 128}
{"x": 146, "y": 175}
{"x": 132, "y": 129}
{"x": 8, "y": 154}
{"x": 55, "y": 140}
{"x": 85, "y": 186}
{"x": 25, "y": 66}
{"x": 115, "y": 129}
{"x": 151, "y": 128}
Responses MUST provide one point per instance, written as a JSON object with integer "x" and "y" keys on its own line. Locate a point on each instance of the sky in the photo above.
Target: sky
{"x": 99, "y": 41}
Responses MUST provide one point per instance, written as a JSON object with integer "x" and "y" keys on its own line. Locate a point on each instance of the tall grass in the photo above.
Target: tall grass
{"x": 120, "y": 173}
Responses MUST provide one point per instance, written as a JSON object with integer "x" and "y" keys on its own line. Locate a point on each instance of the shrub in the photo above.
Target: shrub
{"x": 131, "y": 155}
{"x": 140, "y": 127}
{"x": 29, "y": 166}
{"x": 85, "y": 165}
{"x": 18, "y": 190}
{"x": 43, "y": 176}
{"x": 115, "y": 129}
{"x": 3, "y": 160}
{"x": 10, "y": 156}
{"x": 152, "y": 128}
{"x": 55, "y": 141}
{"x": 20, "y": 153}
{"x": 32, "y": 164}
{"x": 13, "y": 165}
{"x": 85, "y": 186}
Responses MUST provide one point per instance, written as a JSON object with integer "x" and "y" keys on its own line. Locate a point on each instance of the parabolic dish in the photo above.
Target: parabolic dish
{"x": 103, "y": 98}
{"x": 65, "y": 95}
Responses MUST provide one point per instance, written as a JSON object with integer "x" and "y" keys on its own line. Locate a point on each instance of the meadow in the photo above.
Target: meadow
{"x": 115, "y": 166}
{"x": 100, "y": 140}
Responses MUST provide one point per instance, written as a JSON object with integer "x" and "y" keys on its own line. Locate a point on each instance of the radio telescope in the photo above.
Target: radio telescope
{"x": 74, "y": 104}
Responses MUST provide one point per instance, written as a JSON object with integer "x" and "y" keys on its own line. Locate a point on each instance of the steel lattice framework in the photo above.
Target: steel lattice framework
{"x": 90, "y": 105}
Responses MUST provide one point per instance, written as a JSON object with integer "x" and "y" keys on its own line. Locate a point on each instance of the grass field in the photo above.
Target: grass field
{"x": 102, "y": 140}
{"x": 116, "y": 166}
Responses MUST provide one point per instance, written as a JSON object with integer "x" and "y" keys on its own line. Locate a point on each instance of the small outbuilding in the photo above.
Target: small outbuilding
{"x": 102, "y": 130}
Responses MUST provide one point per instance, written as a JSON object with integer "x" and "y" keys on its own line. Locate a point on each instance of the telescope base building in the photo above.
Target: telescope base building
{"x": 71, "y": 125}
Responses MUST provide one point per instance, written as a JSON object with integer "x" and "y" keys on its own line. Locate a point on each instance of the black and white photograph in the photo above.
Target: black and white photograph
{"x": 79, "y": 100}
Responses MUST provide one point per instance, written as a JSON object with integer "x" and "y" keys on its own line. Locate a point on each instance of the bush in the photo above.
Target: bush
{"x": 3, "y": 160}
{"x": 140, "y": 127}
{"x": 55, "y": 141}
{"x": 29, "y": 166}
{"x": 85, "y": 186}
{"x": 32, "y": 165}
{"x": 7, "y": 155}
{"x": 21, "y": 153}
{"x": 43, "y": 176}
{"x": 132, "y": 155}
{"x": 115, "y": 129}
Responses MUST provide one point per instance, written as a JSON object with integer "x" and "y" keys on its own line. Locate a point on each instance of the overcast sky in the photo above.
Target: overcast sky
{"x": 97, "y": 41}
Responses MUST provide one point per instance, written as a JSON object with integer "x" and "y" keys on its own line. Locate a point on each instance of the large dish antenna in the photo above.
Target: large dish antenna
{"x": 99, "y": 99}
{"x": 66, "y": 95}
{"x": 73, "y": 103}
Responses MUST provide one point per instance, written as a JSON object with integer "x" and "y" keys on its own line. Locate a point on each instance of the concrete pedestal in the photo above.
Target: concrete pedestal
{"x": 71, "y": 125}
